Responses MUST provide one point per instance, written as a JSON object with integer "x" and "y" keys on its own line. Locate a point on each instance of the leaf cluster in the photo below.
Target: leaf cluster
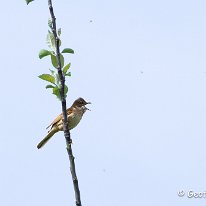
{"x": 53, "y": 77}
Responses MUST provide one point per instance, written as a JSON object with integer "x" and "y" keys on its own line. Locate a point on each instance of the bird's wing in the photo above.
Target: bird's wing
{"x": 58, "y": 118}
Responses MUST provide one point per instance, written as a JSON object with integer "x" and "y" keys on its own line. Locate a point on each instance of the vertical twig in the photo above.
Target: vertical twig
{"x": 64, "y": 112}
{"x": 59, "y": 68}
{"x": 74, "y": 176}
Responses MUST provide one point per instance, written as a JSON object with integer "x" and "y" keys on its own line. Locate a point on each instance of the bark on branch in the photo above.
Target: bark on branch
{"x": 64, "y": 108}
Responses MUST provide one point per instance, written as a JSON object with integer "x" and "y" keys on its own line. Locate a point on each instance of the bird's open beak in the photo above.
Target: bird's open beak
{"x": 86, "y": 107}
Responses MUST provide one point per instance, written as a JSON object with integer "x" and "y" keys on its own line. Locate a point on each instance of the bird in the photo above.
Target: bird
{"x": 74, "y": 116}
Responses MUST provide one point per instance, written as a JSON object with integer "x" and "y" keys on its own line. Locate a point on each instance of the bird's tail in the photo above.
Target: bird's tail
{"x": 47, "y": 138}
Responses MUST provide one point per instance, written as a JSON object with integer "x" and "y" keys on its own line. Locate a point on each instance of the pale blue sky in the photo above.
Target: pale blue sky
{"x": 142, "y": 65}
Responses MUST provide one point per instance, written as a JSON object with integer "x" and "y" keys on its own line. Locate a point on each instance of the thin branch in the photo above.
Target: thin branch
{"x": 74, "y": 176}
{"x": 64, "y": 110}
{"x": 61, "y": 76}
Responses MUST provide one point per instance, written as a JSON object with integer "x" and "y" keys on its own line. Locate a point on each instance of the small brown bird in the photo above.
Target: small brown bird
{"x": 74, "y": 115}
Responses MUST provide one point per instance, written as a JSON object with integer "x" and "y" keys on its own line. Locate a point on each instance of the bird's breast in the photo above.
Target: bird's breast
{"x": 74, "y": 118}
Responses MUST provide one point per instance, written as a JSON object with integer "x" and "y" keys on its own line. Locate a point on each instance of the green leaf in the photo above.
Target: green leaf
{"x": 56, "y": 92}
{"x": 62, "y": 60}
{"x": 51, "y": 41}
{"x": 68, "y": 50}
{"x": 52, "y": 71}
{"x": 60, "y": 42}
{"x": 50, "y": 23}
{"x": 48, "y": 78}
{"x": 49, "y": 86}
{"x": 57, "y": 80}
{"x": 54, "y": 60}
{"x": 68, "y": 74}
{"x": 65, "y": 69}
{"x": 28, "y": 1}
{"x": 59, "y": 31}
{"x": 44, "y": 53}
{"x": 65, "y": 90}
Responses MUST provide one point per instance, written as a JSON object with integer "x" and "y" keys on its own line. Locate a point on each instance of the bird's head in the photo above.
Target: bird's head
{"x": 80, "y": 102}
